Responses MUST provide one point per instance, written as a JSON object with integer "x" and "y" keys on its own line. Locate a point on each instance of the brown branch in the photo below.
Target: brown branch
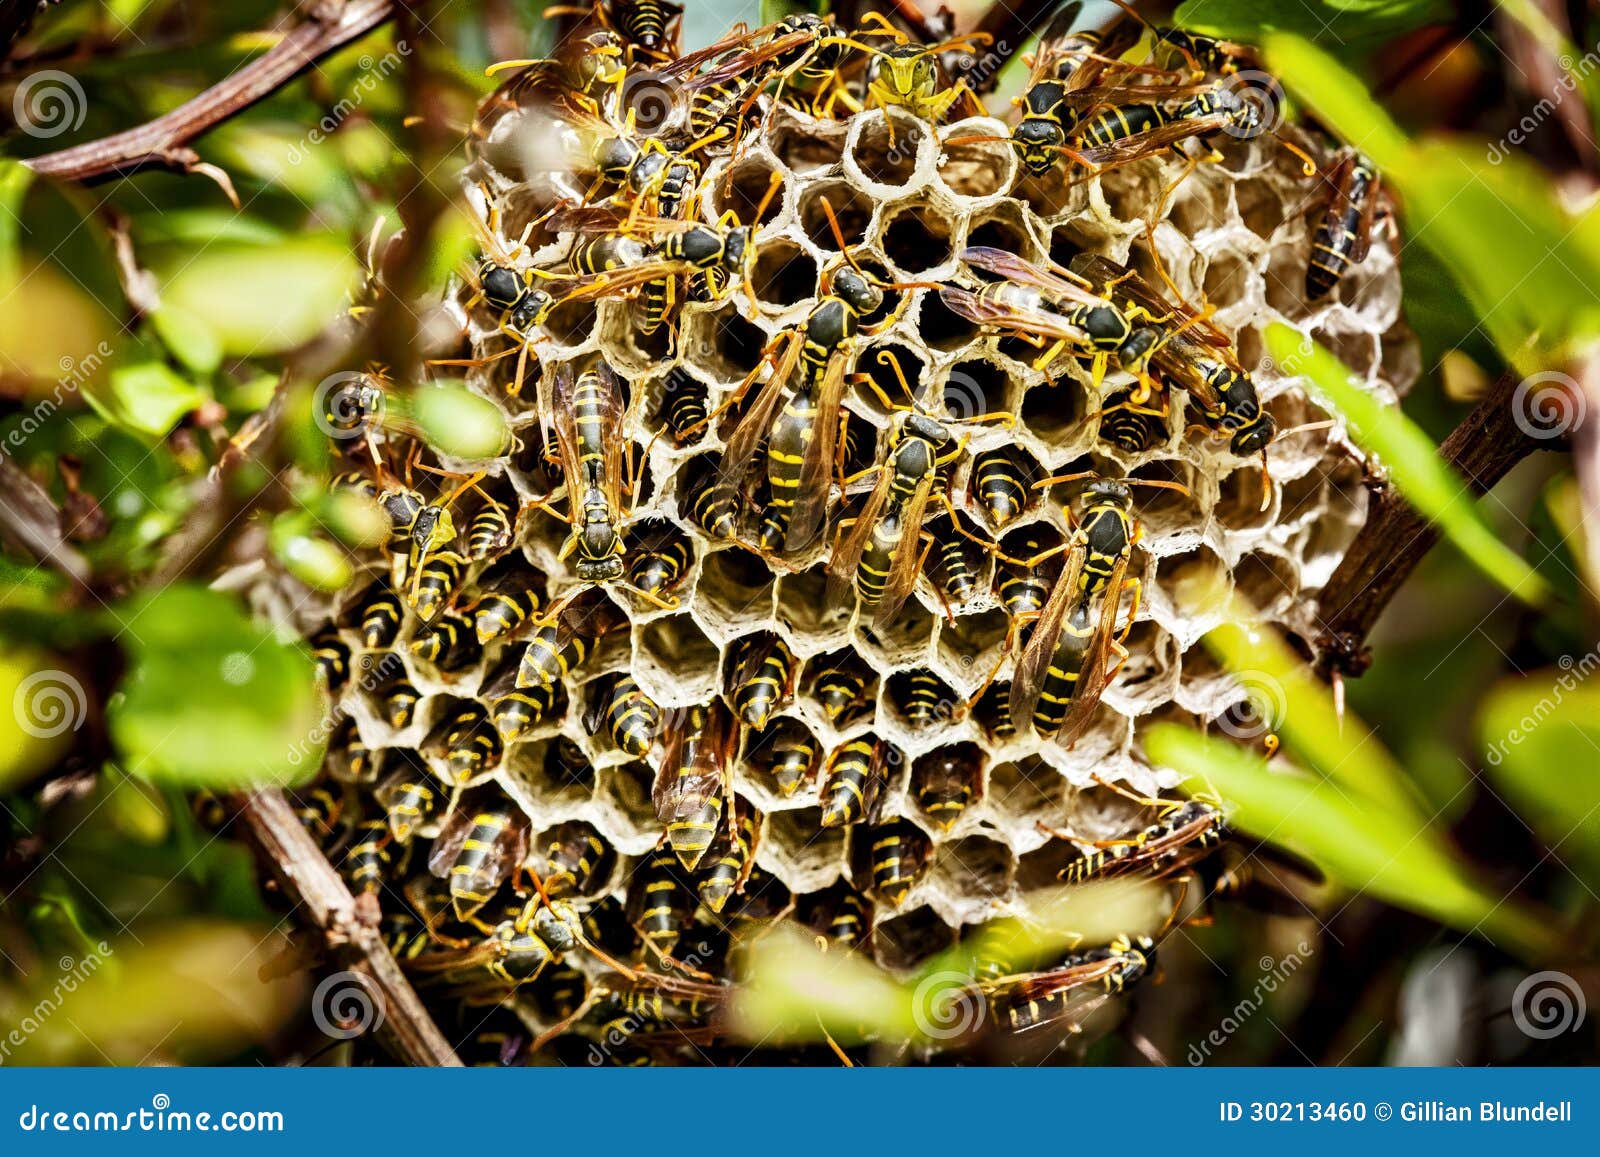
{"x": 350, "y": 932}
{"x": 163, "y": 143}
{"x": 1483, "y": 448}
{"x": 30, "y": 521}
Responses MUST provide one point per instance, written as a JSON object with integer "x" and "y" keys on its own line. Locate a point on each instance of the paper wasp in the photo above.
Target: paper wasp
{"x": 1344, "y": 234}
{"x": 694, "y": 782}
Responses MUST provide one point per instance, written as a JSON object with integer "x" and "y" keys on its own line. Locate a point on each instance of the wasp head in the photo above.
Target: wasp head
{"x": 1038, "y": 142}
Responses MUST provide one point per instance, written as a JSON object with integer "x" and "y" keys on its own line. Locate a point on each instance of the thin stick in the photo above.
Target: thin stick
{"x": 163, "y": 142}
{"x": 405, "y": 1030}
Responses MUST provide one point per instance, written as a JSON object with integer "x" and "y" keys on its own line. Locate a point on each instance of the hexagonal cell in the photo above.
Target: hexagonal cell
{"x": 735, "y": 589}
{"x": 1242, "y": 502}
{"x": 971, "y": 868}
{"x": 841, "y": 685}
{"x": 916, "y": 239}
{"x": 940, "y": 326}
{"x": 805, "y": 608}
{"x": 851, "y": 209}
{"x": 784, "y": 274}
{"x": 754, "y": 191}
{"x": 1055, "y": 413}
{"x": 901, "y": 942}
{"x": 879, "y": 364}
{"x": 799, "y": 849}
{"x": 1267, "y": 580}
{"x": 1003, "y": 229}
{"x": 622, "y": 802}
{"x": 1145, "y": 680}
{"x": 1199, "y": 206}
{"x": 1028, "y": 791}
{"x": 889, "y": 146}
{"x": 1194, "y": 584}
{"x": 968, "y": 645}
{"x": 1227, "y": 276}
{"x": 807, "y": 146}
{"x": 785, "y": 756}
{"x": 1164, "y": 510}
{"x": 674, "y": 661}
{"x": 976, "y": 162}
{"x": 545, "y": 781}
{"x": 902, "y": 640}
{"x": 888, "y": 859}
{"x": 975, "y": 388}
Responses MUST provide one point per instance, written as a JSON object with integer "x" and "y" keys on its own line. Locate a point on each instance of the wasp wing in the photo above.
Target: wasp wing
{"x": 1005, "y": 315}
{"x": 847, "y": 555}
{"x": 811, "y": 500}
{"x": 904, "y": 569}
{"x": 1034, "y": 661}
{"x": 1094, "y": 675}
{"x": 756, "y": 423}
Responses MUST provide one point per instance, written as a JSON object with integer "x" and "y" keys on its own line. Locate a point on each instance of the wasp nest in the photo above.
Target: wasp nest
{"x": 966, "y": 796}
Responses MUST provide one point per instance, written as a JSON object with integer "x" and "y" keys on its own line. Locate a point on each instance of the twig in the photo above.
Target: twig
{"x": 163, "y": 143}
{"x": 305, "y": 875}
{"x": 32, "y": 522}
{"x": 1483, "y": 448}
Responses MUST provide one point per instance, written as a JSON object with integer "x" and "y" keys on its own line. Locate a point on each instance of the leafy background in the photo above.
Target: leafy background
{"x": 148, "y": 323}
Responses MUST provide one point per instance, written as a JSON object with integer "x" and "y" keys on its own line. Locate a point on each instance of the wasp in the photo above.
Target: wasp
{"x": 317, "y": 808}
{"x": 471, "y": 745}
{"x": 854, "y": 781}
{"x": 693, "y": 784}
{"x": 490, "y": 531}
{"x": 908, "y": 76}
{"x": 1198, "y": 357}
{"x": 660, "y": 563}
{"x": 1130, "y": 427}
{"x": 447, "y": 642}
{"x": 729, "y": 860}
{"x": 764, "y": 677}
{"x": 660, "y": 901}
{"x": 369, "y": 856}
{"x": 354, "y": 761}
{"x": 1060, "y": 994}
{"x": 1058, "y": 311}
{"x": 1344, "y": 235}
{"x": 494, "y": 1038}
{"x": 514, "y": 710}
{"x": 841, "y": 916}
{"x": 841, "y": 689}
{"x": 897, "y": 855}
{"x": 502, "y": 612}
{"x": 797, "y": 414}
{"x": 576, "y": 861}
{"x": 409, "y": 802}
{"x": 397, "y": 702}
{"x": 1001, "y": 484}
{"x": 720, "y": 100}
{"x": 476, "y": 851}
{"x": 591, "y": 68}
{"x": 960, "y": 582}
{"x": 684, "y": 405}
{"x": 1183, "y": 832}
{"x": 946, "y": 781}
{"x": 518, "y": 949}
{"x": 557, "y": 649}
{"x": 631, "y": 716}
{"x": 332, "y": 658}
{"x": 588, "y": 414}
{"x": 1062, "y": 670}
{"x": 880, "y": 556}
{"x": 787, "y": 752}
{"x": 1064, "y": 83}
{"x": 379, "y": 616}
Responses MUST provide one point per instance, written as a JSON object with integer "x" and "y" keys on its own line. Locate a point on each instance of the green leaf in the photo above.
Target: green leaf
{"x": 1362, "y": 847}
{"x": 1541, "y": 740}
{"x": 1413, "y": 462}
{"x": 188, "y": 337}
{"x": 263, "y": 300}
{"x": 458, "y": 422}
{"x": 15, "y": 178}
{"x": 310, "y": 557}
{"x": 42, "y": 706}
{"x": 797, "y": 992}
{"x": 151, "y": 399}
{"x": 1285, "y": 697}
{"x": 212, "y": 699}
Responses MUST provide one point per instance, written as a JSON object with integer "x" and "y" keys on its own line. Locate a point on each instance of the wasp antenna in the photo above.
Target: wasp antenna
{"x": 1159, "y": 484}
{"x": 1054, "y": 478}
